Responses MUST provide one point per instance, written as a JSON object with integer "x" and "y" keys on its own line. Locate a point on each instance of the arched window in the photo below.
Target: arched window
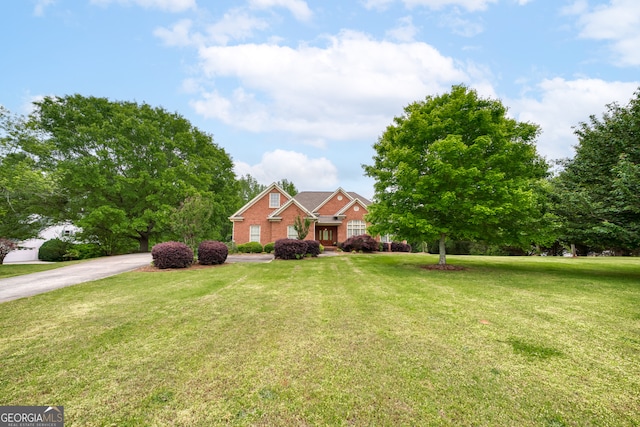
{"x": 356, "y": 227}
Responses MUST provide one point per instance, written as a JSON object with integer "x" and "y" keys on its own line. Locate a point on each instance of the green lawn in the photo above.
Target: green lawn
{"x": 349, "y": 340}
{"x": 9, "y": 270}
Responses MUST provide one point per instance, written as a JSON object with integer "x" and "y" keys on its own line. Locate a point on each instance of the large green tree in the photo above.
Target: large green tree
{"x": 24, "y": 188}
{"x": 598, "y": 191}
{"x": 124, "y": 167}
{"x": 455, "y": 166}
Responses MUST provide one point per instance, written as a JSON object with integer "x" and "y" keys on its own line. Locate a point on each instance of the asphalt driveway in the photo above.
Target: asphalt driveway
{"x": 99, "y": 268}
{"x": 45, "y": 281}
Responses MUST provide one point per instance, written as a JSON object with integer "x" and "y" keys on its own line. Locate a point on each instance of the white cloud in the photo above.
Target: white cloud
{"x": 563, "y": 104}
{"x": 178, "y": 35}
{"x": 461, "y": 26}
{"x": 41, "y": 5}
{"x": 298, "y": 8}
{"x": 469, "y": 5}
{"x": 617, "y": 22}
{"x": 348, "y": 89}
{"x": 304, "y": 172}
{"x": 405, "y": 31}
{"x": 167, "y": 5}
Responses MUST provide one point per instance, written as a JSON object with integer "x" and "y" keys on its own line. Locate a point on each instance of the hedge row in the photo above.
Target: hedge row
{"x": 395, "y": 247}
{"x": 296, "y": 249}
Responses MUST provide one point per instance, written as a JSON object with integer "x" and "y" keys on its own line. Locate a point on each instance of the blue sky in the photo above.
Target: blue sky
{"x": 301, "y": 89}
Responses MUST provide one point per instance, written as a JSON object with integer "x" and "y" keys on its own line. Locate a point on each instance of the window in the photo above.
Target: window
{"x": 356, "y": 228}
{"x": 291, "y": 232}
{"x": 254, "y": 233}
{"x": 386, "y": 238}
{"x": 274, "y": 200}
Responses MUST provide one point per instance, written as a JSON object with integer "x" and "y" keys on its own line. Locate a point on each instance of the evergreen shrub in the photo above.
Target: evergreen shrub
{"x": 211, "y": 252}
{"x": 290, "y": 249}
{"x": 363, "y": 242}
{"x": 172, "y": 255}
{"x": 313, "y": 248}
{"x": 250, "y": 248}
{"x": 54, "y": 250}
{"x": 269, "y": 247}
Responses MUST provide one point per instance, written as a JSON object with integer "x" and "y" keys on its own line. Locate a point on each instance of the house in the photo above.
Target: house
{"x": 28, "y": 249}
{"x": 335, "y": 216}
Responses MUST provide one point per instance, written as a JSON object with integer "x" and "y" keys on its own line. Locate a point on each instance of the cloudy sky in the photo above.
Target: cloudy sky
{"x": 301, "y": 89}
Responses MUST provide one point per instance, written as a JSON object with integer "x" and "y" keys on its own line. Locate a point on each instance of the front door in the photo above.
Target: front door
{"x": 327, "y": 235}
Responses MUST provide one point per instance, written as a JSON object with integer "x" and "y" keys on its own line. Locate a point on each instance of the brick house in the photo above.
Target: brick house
{"x": 335, "y": 216}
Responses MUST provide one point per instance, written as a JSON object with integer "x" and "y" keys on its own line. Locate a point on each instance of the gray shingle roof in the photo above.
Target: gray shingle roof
{"x": 312, "y": 199}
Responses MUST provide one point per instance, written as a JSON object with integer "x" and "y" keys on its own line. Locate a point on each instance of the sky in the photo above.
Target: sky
{"x": 302, "y": 89}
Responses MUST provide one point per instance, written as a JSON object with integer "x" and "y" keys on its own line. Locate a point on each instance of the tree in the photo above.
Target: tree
{"x": 191, "y": 221}
{"x": 126, "y": 166}
{"x": 249, "y": 188}
{"x": 24, "y": 189}
{"x": 288, "y": 186}
{"x": 455, "y": 166}
{"x": 301, "y": 227}
{"x": 597, "y": 193}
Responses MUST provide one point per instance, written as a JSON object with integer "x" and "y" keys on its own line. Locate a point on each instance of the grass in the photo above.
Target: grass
{"x": 10, "y": 270}
{"x": 346, "y": 340}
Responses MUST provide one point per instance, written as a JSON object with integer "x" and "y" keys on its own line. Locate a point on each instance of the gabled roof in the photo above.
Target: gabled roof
{"x": 276, "y": 213}
{"x": 314, "y": 200}
{"x": 355, "y": 201}
{"x": 274, "y": 186}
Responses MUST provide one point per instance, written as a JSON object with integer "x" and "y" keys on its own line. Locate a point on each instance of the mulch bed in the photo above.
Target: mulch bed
{"x": 195, "y": 266}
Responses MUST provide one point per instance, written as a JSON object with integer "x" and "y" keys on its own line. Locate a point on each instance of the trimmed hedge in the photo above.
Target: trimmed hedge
{"x": 211, "y": 252}
{"x": 363, "y": 242}
{"x": 250, "y": 248}
{"x": 54, "y": 250}
{"x": 290, "y": 249}
{"x": 395, "y": 247}
{"x": 313, "y": 247}
{"x": 172, "y": 255}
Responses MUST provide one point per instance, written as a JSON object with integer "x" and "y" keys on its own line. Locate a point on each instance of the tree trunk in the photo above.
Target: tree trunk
{"x": 573, "y": 250}
{"x": 443, "y": 250}
{"x": 144, "y": 243}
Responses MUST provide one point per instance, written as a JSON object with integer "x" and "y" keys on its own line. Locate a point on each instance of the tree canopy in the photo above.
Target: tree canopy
{"x": 125, "y": 167}
{"x": 455, "y": 166}
{"x": 598, "y": 191}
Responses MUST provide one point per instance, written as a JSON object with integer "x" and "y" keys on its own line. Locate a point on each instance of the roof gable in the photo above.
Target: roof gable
{"x": 349, "y": 205}
{"x": 256, "y": 199}
{"x": 330, "y": 197}
{"x": 286, "y": 206}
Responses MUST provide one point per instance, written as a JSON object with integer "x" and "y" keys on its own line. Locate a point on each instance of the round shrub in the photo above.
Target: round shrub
{"x": 400, "y": 247}
{"x": 290, "y": 249}
{"x": 313, "y": 247}
{"x": 250, "y": 248}
{"x": 172, "y": 255}
{"x": 363, "y": 242}
{"x": 211, "y": 252}
{"x": 54, "y": 250}
{"x": 269, "y": 247}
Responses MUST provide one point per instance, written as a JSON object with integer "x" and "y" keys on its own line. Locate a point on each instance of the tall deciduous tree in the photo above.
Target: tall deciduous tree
{"x": 24, "y": 189}
{"x": 455, "y": 166}
{"x": 598, "y": 190}
{"x": 126, "y": 166}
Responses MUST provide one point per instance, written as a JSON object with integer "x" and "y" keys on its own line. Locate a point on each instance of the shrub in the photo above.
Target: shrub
{"x": 313, "y": 247}
{"x": 363, "y": 242}
{"x": 89, "y": 250}
{"x": 211, "y": 252}
{"x": 290, "y": 249}
{"x": 400, "y": 247}
{"x": 269, "y": 247}
{"x": 232, "y": 247}
{"x": 54, "y": 250}
{"x": 250, "y": 248}
{"x": 172, "y": 255}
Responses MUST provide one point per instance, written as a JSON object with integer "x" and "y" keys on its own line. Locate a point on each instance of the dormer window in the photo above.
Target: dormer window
{"x": 274, "y": 200}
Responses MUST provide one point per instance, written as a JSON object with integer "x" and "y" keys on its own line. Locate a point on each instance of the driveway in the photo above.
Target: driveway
{"x": 45, "y": 281}
{"x": 99, "y": 268}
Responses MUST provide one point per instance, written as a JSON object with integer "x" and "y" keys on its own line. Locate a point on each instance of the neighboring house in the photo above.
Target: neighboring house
{"x": 28, "y": 249}
{"x": 335, "y": 216}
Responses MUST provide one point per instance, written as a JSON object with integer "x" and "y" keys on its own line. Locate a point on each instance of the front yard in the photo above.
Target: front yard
{"x": 344, "y": 340}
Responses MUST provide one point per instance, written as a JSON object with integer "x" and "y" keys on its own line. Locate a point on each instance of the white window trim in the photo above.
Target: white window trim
{"x": 291, "y": 232}
{"x": 356, "y": 224}
{"x": 252, "y": 235}
{"x": 274, "y": 202}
